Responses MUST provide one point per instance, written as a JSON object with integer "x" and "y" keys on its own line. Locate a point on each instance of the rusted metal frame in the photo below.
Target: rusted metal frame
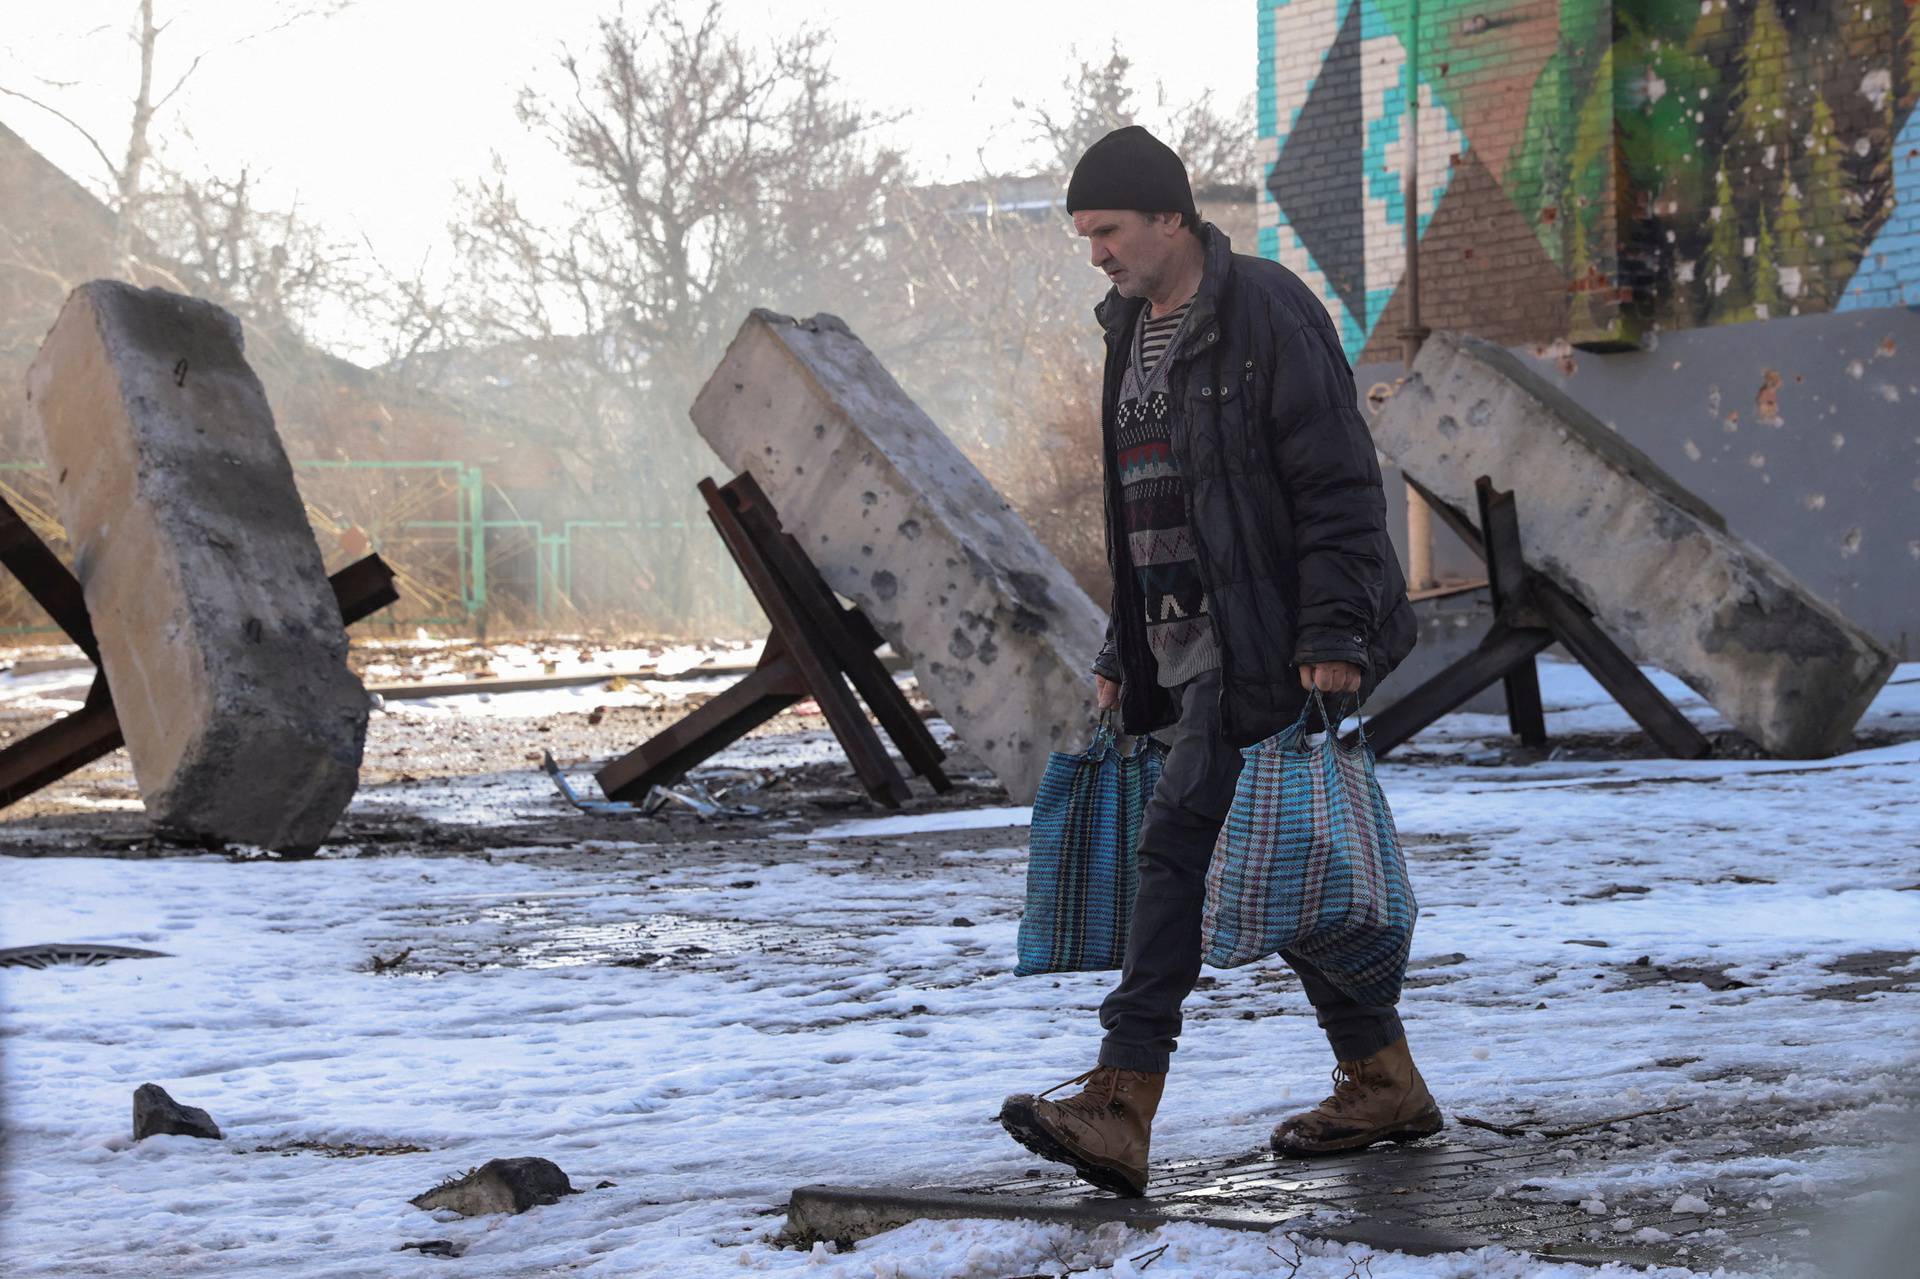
{"x": 68, "y": 744}
{"x": 672, "y": 753}
{"x": 74, "y": 741}
{"x": 1499, "y": 651}
{"x": 46, "y": 579}
{"x": 817, "y": 645}
{"x": 851, "y": 645}
{"x": 1628, "y": 685}
{"x": 823, "y": 677}
{"x": 1507, "y": 581}
{"x": 1528, "y": 603}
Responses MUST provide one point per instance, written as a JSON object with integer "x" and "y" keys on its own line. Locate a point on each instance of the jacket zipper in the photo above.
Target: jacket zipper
{"x": 1193, "y": 530}
{"x": 1126, "y": 605}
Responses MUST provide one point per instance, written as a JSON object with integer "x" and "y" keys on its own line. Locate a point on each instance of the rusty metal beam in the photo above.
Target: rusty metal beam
{"x": 74, "y": 741}
{"x": 1531, "y": 611}
{"x": 47, "y": 580}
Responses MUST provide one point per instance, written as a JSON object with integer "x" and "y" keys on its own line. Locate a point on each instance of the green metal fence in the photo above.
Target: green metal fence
{"x": 455, "y": 566}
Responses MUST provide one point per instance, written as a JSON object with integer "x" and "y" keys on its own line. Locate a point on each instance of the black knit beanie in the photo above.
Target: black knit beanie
{"x": 1131, "y": 169}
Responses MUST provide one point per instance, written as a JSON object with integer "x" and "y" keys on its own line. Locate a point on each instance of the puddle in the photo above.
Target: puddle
{"x": 535, "y": 934}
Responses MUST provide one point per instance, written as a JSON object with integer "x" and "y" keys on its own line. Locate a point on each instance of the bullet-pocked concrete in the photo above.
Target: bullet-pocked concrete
{"x": 1654, "y": 562}
{"x": 900, "y": 522}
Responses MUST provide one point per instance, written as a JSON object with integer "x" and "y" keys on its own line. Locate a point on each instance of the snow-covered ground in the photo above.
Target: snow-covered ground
{"x": 842, "y": 1010}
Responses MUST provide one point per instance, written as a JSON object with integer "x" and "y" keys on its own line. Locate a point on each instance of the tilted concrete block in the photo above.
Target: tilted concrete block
{"x": 900, "y": 522}
{"x": 1654, "y": 562}
{"x": 219, "y": 633}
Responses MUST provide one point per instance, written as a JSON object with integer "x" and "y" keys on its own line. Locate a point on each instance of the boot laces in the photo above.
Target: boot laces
{"x": 1100, "y": 1079}
{"x": 1348, "y": 1085}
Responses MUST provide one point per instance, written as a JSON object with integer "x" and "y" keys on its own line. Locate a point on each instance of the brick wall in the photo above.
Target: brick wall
{"x": 1593, "y": 170}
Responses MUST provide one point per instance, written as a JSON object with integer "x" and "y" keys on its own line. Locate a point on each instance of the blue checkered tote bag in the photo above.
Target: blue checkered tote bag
{"x": 1081, "y": 867}
{"x": 1308, "y": 862}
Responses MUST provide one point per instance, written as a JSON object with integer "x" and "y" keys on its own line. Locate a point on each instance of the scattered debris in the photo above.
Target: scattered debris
{"x": 1643, "y": 972}
{"x": 156, "y": 1114}
{"x": 1616, "y": 890}
{"x": 340, "y": 1149}
{"x": 381, "y": 964}
{"x": 551, "y": 767}
{"x": 499, "y": 1185}
{"x": 694, "y": 795}
{"x": 1147, "y": 1258}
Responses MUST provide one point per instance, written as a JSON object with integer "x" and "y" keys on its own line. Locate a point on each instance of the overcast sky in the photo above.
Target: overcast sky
{"x": 370, "y": 117}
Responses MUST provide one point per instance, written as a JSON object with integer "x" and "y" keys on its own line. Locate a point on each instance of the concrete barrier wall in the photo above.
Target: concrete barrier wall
{"x": 219, "y": 632}
{"x": 901, "y": 523}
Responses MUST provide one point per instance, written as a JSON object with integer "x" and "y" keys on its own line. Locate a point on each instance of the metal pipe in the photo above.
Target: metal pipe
{"x": 1412, "y": 332}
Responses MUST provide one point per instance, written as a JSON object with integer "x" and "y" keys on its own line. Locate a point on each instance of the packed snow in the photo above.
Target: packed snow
{"x": 842, "y": 1010}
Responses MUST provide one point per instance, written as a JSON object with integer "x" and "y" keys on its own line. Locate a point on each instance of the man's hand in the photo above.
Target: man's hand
{"x": 1330, "y": 677}
{"x": 1106, "y": 692}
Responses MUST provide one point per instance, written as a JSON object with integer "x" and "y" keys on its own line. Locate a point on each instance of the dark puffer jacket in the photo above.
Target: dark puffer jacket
{"x": 1283, "y": 495}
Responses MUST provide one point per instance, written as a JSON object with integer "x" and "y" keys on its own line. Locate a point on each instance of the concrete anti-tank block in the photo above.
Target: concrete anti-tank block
{"x": 900, "y": 522}
{"x": 1656, "y": 565}
{"x": 219, "y": 633}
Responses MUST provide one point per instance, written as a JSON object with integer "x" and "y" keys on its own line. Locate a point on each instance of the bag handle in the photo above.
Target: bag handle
{"x": 1332, "y": 725}
{"x": 1105, "y": 734}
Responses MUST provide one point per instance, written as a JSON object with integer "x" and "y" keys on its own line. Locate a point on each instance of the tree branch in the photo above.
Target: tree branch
{"x": 113, "y": 170}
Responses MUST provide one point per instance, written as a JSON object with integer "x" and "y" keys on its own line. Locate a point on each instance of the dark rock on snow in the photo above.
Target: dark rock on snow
{"x": 500, "y": 1185}
{"x": 156, "y": 1114}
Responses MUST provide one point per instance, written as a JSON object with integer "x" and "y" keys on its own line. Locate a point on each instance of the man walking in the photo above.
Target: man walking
{"x": 1246, "y": 528}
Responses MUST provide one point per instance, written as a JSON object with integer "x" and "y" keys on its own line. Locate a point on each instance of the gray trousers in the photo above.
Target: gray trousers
{"x": 1142, "y": 1015}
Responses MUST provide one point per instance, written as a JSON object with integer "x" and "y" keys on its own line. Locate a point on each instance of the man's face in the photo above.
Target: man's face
{"x": 1133, "y": 248}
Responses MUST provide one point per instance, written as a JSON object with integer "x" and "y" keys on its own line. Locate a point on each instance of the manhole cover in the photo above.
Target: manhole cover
{"x": 80, "y": 954}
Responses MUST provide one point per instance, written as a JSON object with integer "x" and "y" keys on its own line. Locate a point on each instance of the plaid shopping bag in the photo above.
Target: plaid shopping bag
{"x": 1081, "y": 868}
{"x": 1308, "y": 861}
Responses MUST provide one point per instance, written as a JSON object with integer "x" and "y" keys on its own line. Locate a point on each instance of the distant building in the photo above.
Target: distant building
{"x": 1039, "y": 195}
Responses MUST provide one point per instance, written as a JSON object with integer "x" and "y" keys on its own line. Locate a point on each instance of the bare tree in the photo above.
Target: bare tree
{"x": 714, "y": 175}
{"x": 126, "y": 177}
{"x": 272, "y": 267}
{"x": 1100, "y": 101}
{"x": 1217, "y": 146}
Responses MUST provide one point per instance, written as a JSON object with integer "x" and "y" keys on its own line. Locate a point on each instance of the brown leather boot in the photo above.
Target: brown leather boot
{"x": 1101, "y": 1131}
{"x": 1379, "y": 1098}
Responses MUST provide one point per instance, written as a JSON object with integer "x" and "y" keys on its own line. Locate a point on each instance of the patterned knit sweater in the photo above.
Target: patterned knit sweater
{"x": 1153, "y": 499}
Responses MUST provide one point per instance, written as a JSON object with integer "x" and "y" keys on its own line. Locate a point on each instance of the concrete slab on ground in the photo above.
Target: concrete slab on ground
{"x": 1449, "y": 1194}
{"x": 219, "y": 634}
{"x": 1654, "y": 563}
{"x": 899, "y": 521}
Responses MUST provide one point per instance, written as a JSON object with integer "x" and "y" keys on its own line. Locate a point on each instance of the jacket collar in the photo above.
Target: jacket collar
{"x": 1116, "y": 313}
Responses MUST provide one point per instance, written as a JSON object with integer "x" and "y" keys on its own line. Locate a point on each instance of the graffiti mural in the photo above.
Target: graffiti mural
{"x": 1593, "y": 169}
